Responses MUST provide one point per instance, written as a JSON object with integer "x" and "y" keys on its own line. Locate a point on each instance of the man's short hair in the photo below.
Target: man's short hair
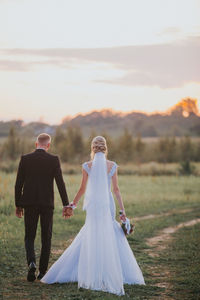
{"x": 43, "y": 139}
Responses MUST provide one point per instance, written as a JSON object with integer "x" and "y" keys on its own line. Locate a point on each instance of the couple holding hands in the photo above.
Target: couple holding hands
{"x": 99, "y": 258}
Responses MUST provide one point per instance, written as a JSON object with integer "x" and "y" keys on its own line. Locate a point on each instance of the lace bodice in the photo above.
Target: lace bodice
{"x": 110, "y": 173}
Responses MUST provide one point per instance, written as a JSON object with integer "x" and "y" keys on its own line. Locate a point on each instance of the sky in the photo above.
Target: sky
{"x": 64, "y": 57}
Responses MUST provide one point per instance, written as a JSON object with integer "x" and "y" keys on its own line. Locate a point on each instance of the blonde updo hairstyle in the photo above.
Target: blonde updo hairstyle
{"x": 98, "y": 145}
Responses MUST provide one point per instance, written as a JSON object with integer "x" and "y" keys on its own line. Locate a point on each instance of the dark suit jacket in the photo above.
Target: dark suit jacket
{"x": 35, "y": 177}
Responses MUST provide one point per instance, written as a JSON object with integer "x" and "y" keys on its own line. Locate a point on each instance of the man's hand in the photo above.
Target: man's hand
{"x": 19, "y": 212}
{"x": 67, "y": 212}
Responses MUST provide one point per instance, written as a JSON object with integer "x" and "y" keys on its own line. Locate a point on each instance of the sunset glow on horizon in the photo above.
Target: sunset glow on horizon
{"x": 61, "y": 58}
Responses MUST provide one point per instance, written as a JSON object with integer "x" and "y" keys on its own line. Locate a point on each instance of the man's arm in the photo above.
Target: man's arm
{"x": 60, "y": 184}
{"x": 19, "y": 182}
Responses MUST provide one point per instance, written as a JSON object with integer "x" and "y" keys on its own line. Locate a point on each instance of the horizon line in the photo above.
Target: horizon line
{"x": 104, "y": 109}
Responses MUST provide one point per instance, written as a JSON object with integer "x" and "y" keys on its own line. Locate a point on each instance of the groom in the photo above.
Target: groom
{"x": 34, "y": 197}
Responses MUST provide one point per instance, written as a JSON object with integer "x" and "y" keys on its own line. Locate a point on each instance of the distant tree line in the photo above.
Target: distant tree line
{"x": 70, "y": 145}
{"x": 180, "y": 120}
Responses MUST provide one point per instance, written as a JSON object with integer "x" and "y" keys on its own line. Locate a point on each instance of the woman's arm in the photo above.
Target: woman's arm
{"x": 82, "y": 188}
{"x": 117, "y": 193}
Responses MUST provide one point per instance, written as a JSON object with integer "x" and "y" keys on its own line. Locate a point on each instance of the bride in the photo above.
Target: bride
{"x": 99, "y": 258}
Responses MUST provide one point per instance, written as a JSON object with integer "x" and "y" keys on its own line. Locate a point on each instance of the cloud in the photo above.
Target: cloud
{"x": 11, "y": 65}
{"x": 164, "y": 65}
{"x": 170, "y": 31}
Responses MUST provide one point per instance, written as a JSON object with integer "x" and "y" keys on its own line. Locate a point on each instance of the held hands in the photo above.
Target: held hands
{"x": 19, "y": 212}
{"x": 68, "y": 210}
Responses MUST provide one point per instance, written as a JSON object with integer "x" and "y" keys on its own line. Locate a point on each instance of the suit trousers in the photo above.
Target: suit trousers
{"x": 31, "y": 217}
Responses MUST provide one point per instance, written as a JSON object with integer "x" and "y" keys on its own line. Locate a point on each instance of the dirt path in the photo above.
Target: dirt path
{"x": 151, "y": 216}
{"x": 156, "y": 244}
{"x": 159, "y": 242}
{"x": 169, "y": 213}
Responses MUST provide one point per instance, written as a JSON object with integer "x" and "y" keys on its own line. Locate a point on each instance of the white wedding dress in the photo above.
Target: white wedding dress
{"x": 99, "y": 258}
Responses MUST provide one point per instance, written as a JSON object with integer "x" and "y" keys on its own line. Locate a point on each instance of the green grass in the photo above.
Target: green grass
{"x": 152, "y": 168}
{"x": 142, "y": 195}
{"x": 183, "y": 261}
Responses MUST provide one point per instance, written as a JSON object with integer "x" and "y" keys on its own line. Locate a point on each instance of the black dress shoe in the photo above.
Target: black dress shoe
{"x": 31, "y": 272}
{"x": 40, "y": 275}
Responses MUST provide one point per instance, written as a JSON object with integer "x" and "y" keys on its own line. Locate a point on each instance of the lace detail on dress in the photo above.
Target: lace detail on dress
{"x": 113, "y": 169}
{"x": 110, "y": 174}
{"x": 86, "y": 168}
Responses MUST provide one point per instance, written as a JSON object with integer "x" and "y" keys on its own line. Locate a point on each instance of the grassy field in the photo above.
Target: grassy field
{"x": 142, "y": 169}
{"x": 155, "y": 203}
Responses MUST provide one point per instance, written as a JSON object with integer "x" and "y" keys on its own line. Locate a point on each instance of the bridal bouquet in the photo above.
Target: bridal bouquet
{"x": 127, "y": 227}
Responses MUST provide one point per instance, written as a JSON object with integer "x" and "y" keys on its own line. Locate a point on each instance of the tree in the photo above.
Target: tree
{"x": 12, "y": 144}
{"x": 110, "y": 145}
{"x": 78, "y": 143}
{"x": 139, "y": 148}
{"x": 75, "y": 143}
{"x": 185, "y": 107}
{"x": 60, "y": 144}
{"x": 126, "y": 146}
{"x": 88, "y": 143}
{"x": 59, "y": 136}
{"x": 167, "y": 150}
{"x": 186, "y": 148}
{"x": 172, "y": 154}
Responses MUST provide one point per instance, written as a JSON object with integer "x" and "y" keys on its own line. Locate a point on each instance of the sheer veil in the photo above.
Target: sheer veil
{"x": 97, "y": 194}
{"x": 99, "y": 264}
